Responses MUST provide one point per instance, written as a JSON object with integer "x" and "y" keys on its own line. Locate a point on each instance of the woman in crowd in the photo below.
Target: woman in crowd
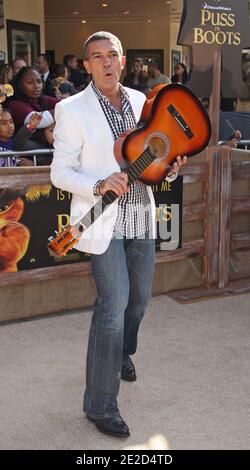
{"x": 6, "y": 74}
{"x": 17, "y": 64}
{"x": 37, "y": 133}
{"x": 137, "y": 79}
{"x": 28, "y": 96}
{"x": 181, "y": 75}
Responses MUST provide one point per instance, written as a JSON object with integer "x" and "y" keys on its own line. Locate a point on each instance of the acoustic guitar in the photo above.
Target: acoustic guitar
{"x": 173, "y": 122}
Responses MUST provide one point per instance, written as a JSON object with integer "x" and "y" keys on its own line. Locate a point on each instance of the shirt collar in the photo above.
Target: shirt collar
{"x": 45, "y": 76}
{"x": 104, "y": 99}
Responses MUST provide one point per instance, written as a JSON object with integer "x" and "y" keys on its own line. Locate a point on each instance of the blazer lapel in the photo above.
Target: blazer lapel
{"x": 95, "y": 108}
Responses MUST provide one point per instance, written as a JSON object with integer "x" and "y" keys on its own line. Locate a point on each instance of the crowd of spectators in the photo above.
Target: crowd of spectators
{"x": 27, "y": 118}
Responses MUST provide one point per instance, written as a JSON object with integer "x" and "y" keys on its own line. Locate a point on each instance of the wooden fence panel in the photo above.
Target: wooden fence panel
{"x": 225, "y": 214}
{"x": 212, "y": 172}
{"x": 211, "y": 232}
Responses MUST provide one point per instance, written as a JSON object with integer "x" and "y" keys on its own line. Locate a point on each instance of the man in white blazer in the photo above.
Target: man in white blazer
{"x": 121, "y": 240}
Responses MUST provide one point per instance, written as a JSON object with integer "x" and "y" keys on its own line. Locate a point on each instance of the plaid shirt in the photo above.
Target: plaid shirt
{"x": 134, "y": 215}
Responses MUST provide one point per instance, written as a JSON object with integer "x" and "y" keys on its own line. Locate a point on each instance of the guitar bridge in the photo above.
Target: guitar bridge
{"x": 181, "y": 121}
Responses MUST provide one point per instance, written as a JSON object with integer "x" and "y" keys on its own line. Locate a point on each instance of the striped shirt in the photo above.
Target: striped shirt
{"x": 134, "y": 214}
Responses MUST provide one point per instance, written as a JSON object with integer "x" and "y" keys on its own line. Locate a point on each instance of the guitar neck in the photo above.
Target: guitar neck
{"x": 133, "y": 172}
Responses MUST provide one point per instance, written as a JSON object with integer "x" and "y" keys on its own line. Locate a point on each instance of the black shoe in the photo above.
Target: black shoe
{"x": 114, "y": 426}
{"x": 128, "y": 371}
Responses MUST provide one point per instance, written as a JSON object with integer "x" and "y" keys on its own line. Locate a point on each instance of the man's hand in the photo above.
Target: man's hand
{"x": 234, "y": 141}
{"x": 117, "y": 182}
{"x": 237, "y": 135}
{"x": 35, "y": 118}
{"x": 177, "y": 165}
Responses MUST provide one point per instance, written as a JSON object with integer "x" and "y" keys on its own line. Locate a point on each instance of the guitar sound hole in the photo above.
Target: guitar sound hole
{"x": 159, "y": 145}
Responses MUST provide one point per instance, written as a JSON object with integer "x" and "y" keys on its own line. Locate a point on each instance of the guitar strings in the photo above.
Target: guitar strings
{"x": 133, "y": 172}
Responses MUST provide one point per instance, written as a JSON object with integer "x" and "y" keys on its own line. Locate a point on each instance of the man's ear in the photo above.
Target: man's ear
{"x": 87, "y": 65}
{"x": 123, "y": 61}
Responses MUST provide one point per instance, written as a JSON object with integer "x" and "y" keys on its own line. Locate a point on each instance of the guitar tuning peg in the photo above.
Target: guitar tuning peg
{"x": 56, "y": 232}
{"x": 50, "y": 239}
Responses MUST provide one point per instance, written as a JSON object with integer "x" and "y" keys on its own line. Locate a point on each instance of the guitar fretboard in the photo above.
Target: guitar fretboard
{"x": 133, "y": 172}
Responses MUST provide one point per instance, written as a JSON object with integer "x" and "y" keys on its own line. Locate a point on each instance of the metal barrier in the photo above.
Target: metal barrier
{"x": 45, "y": 152}
{"x": 239, "y": 143}
{"x": 24, "y": 153}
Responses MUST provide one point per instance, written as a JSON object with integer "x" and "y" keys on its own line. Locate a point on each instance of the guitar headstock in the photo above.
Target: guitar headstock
{"x": 63, "y": 242}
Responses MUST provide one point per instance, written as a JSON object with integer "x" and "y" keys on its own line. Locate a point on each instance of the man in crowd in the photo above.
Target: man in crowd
{"x": 43, "y": 64}
{"x": 155, "y": 75}
{"x": 75, "y": 76}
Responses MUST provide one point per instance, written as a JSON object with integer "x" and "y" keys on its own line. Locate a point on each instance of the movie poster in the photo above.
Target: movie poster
{"x": 215, "y": 25}
{"x": 168, "y": 200}
{"x": 29, "y": 216}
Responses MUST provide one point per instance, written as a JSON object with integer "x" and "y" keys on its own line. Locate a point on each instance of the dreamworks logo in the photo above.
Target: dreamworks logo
{"x": 217, "y": 7}
{"x": 208, "y": 6}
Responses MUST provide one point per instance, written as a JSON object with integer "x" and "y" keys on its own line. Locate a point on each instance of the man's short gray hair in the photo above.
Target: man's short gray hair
{"x": 100, "y": 36}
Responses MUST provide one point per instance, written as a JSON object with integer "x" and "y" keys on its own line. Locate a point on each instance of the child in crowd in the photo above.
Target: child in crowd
{"x": 61, "y": 81}
{"x": 7, "y": 129}
{"x": 65, "y": 90}
{"x": 37, "y": 133}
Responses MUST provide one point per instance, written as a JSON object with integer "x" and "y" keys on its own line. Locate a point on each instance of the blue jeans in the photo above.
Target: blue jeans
{"x": 123, "y": 277}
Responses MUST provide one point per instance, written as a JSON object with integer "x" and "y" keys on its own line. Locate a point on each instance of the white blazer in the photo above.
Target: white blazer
{"x": 84, "y": 154}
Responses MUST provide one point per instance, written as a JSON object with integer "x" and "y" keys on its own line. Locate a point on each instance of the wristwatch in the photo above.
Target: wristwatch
{"x": 172, "y": 177}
